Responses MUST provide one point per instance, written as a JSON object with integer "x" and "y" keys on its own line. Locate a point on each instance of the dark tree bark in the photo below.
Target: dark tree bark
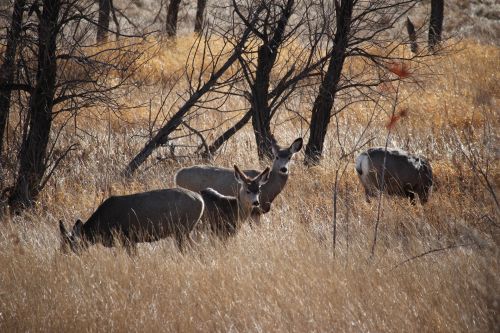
{"x": 267, "y": 54}
{"x": 103, "y": 20}
{"x": 33, "y": 151}
{"x": 412, "y": 35}
{"x": 323, "y": 104}
{"x": 261, "y": 112}
{"x": 7, "y": 70}
{"x": 200, "y": 12}
{"x": 172, "y": 14}
{"x": 436, "y": 23}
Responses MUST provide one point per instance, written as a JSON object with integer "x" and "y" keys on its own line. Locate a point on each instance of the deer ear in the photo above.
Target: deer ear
{"x": 240, "y": 178}
{"x": 264, "y": 176}
{"x": 274, "y": 148}
{"x": 62, "y": 228}
{"x": 77, "y": 229}
{"x": 296, "y": 145}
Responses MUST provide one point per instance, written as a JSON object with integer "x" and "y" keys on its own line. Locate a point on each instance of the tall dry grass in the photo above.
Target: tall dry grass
{"x": 284, "y": 275}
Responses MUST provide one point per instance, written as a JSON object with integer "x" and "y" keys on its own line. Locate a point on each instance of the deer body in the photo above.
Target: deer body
{"x": 140, "y": 217}
{"x": 405, "y": 174}
{"x": 222, "y": 180}
{"x": 225, "y": 214}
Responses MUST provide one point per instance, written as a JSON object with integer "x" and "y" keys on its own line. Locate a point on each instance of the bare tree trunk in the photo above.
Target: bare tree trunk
{"x": 267, "y": 54}
{"x": 200, "y": 11}
{"x": 324, "y": 101}
{"x": 261, "y": 115}
{"x": 103, "y": 21}
{"x": 172, "y": 14}
{"x": 7, "y": 69}
{"x": 33, "y": 151}
{"x": 436, "y": 23}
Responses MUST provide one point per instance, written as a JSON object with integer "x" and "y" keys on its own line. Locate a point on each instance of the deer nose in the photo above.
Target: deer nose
{"x": 283, "y": 170}
{"x": 255, "y": 203}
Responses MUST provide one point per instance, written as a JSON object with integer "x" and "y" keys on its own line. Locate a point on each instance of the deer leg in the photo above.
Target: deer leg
{"x": 131, "y": 248}
{"x": 191, "y": 241}
{"x": 411, "y": 195}
{"x": 179, "y": 238}
{"x": 368, "y": 195}
{"x": 255, "y": 218}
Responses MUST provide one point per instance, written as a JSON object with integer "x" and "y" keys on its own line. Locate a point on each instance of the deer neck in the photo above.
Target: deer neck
{"x": 243, "y": 211}
{"x": 274, "y": 186}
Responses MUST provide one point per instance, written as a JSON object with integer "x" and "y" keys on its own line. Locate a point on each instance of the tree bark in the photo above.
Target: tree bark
{"x": 261, "y": 112}
{"x": 267, "y": 54}
{"x": 7, "y": 70}
{"x": 103, "y": 20}
{"x": 200, "y": 12}
{"x": 436, "y": 23}
{"x": 32, "y": 157}
{"x": 172, "y": 14}
{"x": 323, "y": 104}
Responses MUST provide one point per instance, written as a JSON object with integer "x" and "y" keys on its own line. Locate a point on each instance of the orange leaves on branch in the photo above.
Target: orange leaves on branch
{"x": 402, "y": 70}
{"x": 395, "y": 118}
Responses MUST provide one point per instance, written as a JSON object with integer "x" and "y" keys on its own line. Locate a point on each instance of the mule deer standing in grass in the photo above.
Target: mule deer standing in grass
{"x": 225, "y": 214}
{"x": 140, "y": 217}
{"x": 405, "y": 174}
{"x": 199, "y": 177}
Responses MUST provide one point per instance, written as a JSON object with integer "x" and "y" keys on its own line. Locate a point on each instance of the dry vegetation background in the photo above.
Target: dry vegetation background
{"x": 285, "y": 275}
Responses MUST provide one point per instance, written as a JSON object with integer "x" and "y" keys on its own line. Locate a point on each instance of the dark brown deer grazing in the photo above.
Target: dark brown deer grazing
{"x": 225, "y": 214}
{"x": 199, "y": 177}
{"x": 405, "y": 174}
{"x": 136, "y": 218}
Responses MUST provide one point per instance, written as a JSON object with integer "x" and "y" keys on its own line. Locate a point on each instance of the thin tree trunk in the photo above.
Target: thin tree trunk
{"x": 267, "y": 54}
{"x": 172, "y": 14}
{"x": 7, "y": 70}
{"x": 324, "y": 101}
{"x": 436, "y": 23}
{"x": 200, "y": 12}
{"x": 103, "y": 21}
{"x": 33, "y": 150}
{"x": 261, "y": 115}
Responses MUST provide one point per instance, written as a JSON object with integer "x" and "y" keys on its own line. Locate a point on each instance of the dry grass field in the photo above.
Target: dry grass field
{"x": 436, "y": 268}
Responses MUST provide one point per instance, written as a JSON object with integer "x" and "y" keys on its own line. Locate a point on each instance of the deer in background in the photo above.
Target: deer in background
{"x": 222, "y": 180}
{"x": 405, "y": 174}
{"x": 135, "y": 218}
{"x": 225, "y": 214}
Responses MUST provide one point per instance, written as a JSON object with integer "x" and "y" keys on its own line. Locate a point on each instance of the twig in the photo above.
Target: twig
{"x": 198, "y": 134}
{"x": 449, "y": 247}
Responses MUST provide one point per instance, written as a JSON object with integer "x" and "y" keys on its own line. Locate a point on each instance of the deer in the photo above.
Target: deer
{"x": 405, "y": 174}
{"x": 137, "y": 218}
{"x": 225, "y": 214}
{"x": 222, "y": 180}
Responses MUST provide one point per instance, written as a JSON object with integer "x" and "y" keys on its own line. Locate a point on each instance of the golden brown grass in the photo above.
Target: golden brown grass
{"x": 284, "y": 275}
